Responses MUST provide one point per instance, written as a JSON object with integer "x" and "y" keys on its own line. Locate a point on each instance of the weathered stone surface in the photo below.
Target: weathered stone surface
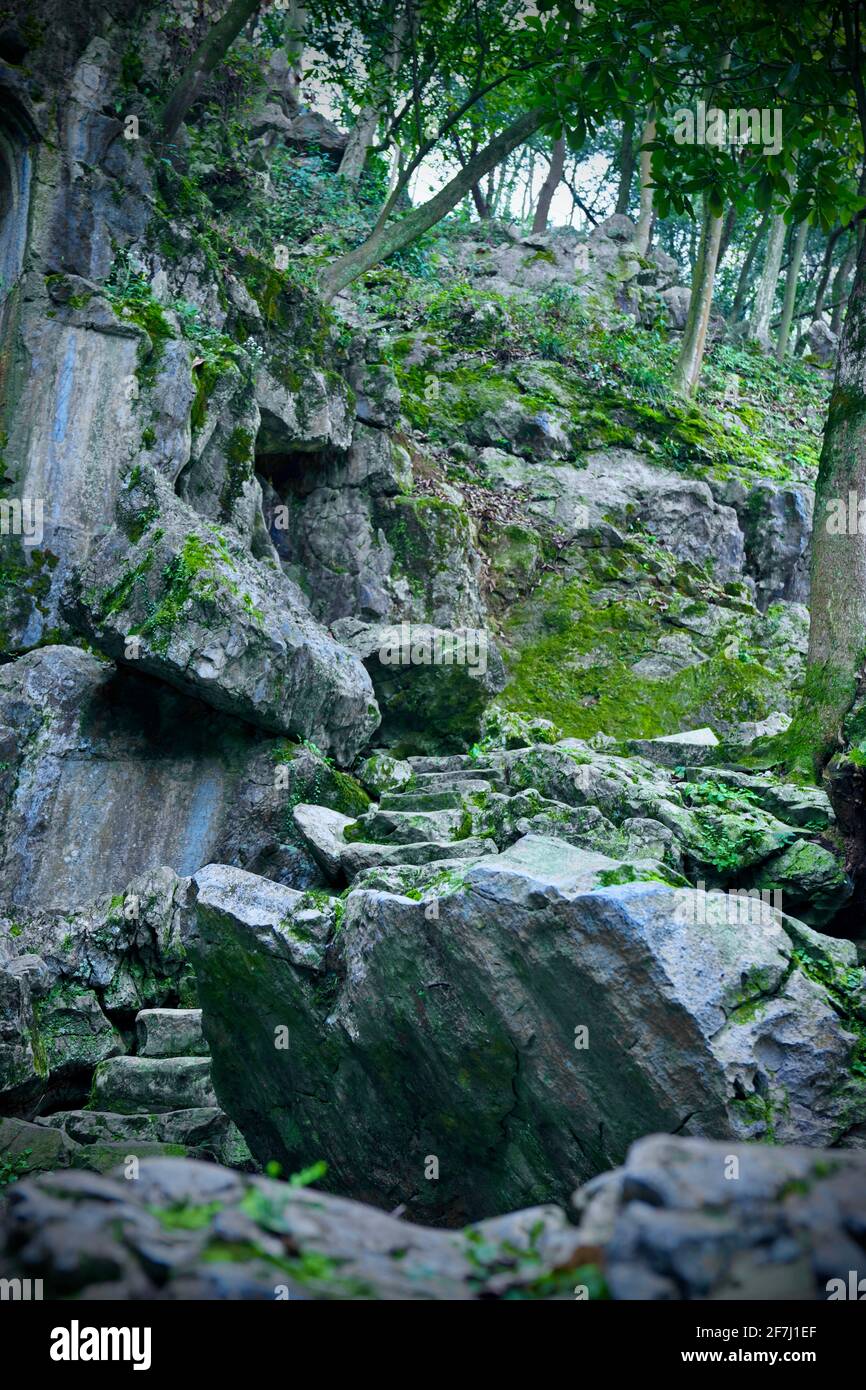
{"x": 428, "y": 702}
{"x": 322, "y": 832}
{"x": 170, "y": 1033}
{"x": 382, "y": 773}
{"x": 66, "y": 977}
{"x": 98, "y": 1236}
{"x": 822, "y": 342}
{"x": 680, "y": 1221}
{"x": 109, "y": 775}
{"x": 214, "y": 623}
{"x": 484, "y": 998}
{"x": 129, "y": 1084}
{"x": 104, "y": 1137}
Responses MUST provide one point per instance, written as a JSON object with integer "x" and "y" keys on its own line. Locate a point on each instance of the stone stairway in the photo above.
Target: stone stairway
{"x": 157, "y": 1101}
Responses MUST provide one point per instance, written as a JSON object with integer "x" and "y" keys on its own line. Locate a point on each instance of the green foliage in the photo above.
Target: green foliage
{"x": 14, "y": 1166}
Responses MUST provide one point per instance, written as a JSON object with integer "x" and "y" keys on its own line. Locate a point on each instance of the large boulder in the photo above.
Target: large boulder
{"x": 184, "y": 601}
{"x": 256, "y": 1238}
{"x": 433, "y": 684}
{"x": 522, "y": 1025}
{"x": 105, "y": 774}
{"x": 687, "y": 1219}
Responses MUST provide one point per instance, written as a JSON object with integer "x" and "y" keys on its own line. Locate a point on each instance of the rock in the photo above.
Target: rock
{"x": 215, "y": 624}
{"x": 101, "y": 1136}
{"x": 382, "y": 773}
{"x": 813, "y": 884}
{"x": 676, "y": 301}
{"x": 31, "y": 1148}
{"x": 311, "y": 128}
{"x": 93, "y": 1236}
{"x": 170, "y": 1033}
{"x": 359, "y": 857}
{"x": 484, "y": 1007}
{"x": 110, "y": 775}
{"x": 776, "y": 521}
{"x": 322, "y": 832}
{"x": 619, "y": 485}
{"x": 822, "y": 343}
{"x": 311, "y": 416}
{"x": 276, "y": 915}
{"x": 426, "y": 696}
{"x": 671, "y": 749}
{"x": 674, "y": 1225}
{"x": 59, "y": 839}
{"x": 128, "y": 1084}
{"x": 791, "y": 802}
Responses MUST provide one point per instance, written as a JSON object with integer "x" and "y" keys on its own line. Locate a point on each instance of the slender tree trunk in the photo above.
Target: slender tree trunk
{"x": 210, "y": 51}
{"x": 727, "y": 232}
{"x": 482, "y": 207}
{"x": 294, "y": 28}
{"x": 550, "y": 185}
{"x": 688, "y": 368}
{"x": 393, "y": 236}
{"x": 626, "y": 165}
{"x": 826, "y": 271}
{"x": 746, "y": 271}
{"x": 765, "y": 294}
{"x": 798, "y": 246}
{"x": 644, "y": 220}
{"x": 361, "y": 137}
{"x": 363, "y": 132}
{"x": 840, "y": 285}
{"x": 837, "y": 634}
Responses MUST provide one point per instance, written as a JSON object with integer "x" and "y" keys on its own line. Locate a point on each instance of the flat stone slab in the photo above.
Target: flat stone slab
{"x": 170, "y": 1033}
{"x": 130, "y": 1084}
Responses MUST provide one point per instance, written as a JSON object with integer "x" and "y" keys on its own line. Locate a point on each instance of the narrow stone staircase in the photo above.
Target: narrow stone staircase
{"x": 155, "y": 1102}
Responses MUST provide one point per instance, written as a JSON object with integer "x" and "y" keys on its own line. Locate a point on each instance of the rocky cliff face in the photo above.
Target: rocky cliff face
{"x": 384, "y": 683}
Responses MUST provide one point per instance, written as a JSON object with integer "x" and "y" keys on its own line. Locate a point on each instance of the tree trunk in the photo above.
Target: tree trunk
{"x": 826, "y": 270}
{"x": 765, "y": 294}
{"x": 626, "y": 165}
{"x": 727, "y": 232}
{"x": 838, "y": 601}
{"x": 482, "y": 207}
{"x": 550, "y": 185}
{"x": 746, "y": 271}
{"x": 361, "y": 137}
{"x": 212, "y": 49}
{"x": 645, "y": 215}
{"x": 797, "y": 248}
{"x": 840, "y": 285}
{"x": 688, "y": 368}
{"x": 393, "y": 236}
{"x": 294, "y": 28}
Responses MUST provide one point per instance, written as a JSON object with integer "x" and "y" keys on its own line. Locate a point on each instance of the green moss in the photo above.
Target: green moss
{"x": 576, "y": 669}
{"x": 846, "y": 992}
{"x": 189, "y": 575}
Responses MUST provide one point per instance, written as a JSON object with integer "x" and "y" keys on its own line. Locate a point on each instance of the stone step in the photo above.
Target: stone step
{"x": 408, "y": 827}
{"x": 127, "y": 1085}
{"x": 170, "y": 1033}
{"x": 456, "y": 781}
{"x": 453, "y": 762}
{"x": 443, "y": 800}
{"x": 363, "y": 855}
{"x": 204, "y": 1130}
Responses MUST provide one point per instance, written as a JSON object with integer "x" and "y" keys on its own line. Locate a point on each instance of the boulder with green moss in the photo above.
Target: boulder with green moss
{"x": 516, "y": 1023}
{"x": 184, "y": 600}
